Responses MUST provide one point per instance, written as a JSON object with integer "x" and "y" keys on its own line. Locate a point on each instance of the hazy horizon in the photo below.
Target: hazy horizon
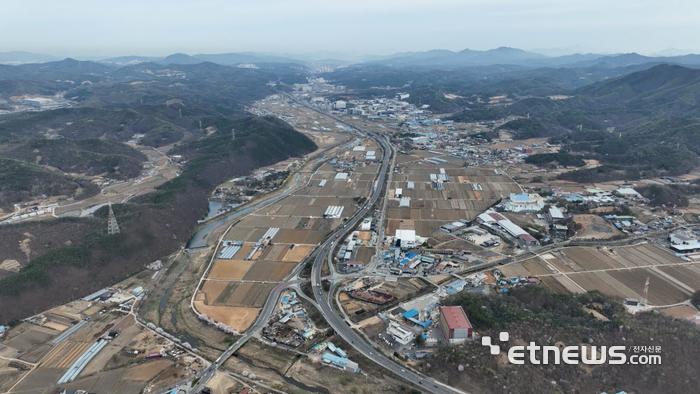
{"x": 80, "y": 28}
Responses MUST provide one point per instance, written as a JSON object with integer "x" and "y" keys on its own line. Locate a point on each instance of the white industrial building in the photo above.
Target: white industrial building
{"x": 400, "y": 333}
{"x": 524, "y": 203}
{"x": 407, "y": 237}
{"x": 683, "y": 243}
{"x": 341, "y": 176}
{"x": 340, "y": 104}
{"x": 405, "y": 202}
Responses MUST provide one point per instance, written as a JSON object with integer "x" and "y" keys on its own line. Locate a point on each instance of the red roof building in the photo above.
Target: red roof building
{"x": 454, "y": 324}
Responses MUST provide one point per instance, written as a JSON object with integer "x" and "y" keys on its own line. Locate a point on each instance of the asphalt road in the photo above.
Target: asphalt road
{"x": 324, "y": 305}
{"x": 338, "y": 324}
{"x": 260, "y": 322}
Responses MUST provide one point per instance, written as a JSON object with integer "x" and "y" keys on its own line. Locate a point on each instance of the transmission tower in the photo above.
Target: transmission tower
{"x": 645, "y": 294}
{"x": 112, "y": 226}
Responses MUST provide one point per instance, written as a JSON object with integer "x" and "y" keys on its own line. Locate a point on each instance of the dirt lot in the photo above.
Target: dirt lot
{"x": 298, "y": 253}
{"x": 680, "y": 312}
{"x": 237, "y": 318}
{"x": 593, "y": 226}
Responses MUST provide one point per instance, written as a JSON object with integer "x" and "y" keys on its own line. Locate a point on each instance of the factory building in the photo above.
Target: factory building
{"x": 499, "y": 223}
{"x": 341, "y": 362}
{"x": 683, "y": 243}
{"x": 453, "y": 227}
{"x": 454, "y": 324}
{"x": 523, "y": 203}
{"x": 405, "y": 238}
{"x": 400, "y": 333}
{"x": 555, "y": 215}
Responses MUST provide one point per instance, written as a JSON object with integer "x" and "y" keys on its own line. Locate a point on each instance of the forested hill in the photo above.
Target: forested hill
{"x": 152, "y": 226}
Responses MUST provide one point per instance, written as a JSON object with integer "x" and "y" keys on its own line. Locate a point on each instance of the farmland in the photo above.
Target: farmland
{"x": 277, "y": 238}
{"x": 469, "y": 192}
{"x": 620, "y": 272}
{"x": 120, "y": 367}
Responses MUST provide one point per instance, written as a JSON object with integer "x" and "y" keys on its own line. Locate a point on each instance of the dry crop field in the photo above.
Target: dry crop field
{"x": 620, "y": 272}
{"x": 235, "y": 289}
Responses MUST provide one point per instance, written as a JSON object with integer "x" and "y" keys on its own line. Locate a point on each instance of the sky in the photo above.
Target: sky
{"x": 94, "y": 28}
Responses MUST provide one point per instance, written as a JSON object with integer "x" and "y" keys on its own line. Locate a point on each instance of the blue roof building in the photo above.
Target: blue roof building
{"x": 410, "y": 313}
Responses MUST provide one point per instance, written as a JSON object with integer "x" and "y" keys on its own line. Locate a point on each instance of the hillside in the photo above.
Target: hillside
{"x": 20, "y": 181}
{"x": 153, "y": 225}
{"x": 88, "y": 157}
{"x": 534, "y": 314}
{"x": 666, "y": 88}
{"x": 90, "y": 123}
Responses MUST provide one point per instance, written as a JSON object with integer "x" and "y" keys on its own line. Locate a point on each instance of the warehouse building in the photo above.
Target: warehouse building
{"x": 400, "y": 333}
{"x": 405, "y": 238}
{"x": 341, "y": 362}
{"x": 523, "y": 203}
{"x": 455, "y": 325}
{"x": 555, "y": 215}
{"x": 683, "y": 243}
{"x": 499, "y": 223}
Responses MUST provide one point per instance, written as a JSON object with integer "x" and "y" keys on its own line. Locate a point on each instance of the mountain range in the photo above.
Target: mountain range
{"x": 437, "y": 58}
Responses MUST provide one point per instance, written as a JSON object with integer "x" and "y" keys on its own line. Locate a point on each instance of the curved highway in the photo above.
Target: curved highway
{"x": 338, "y": 323}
